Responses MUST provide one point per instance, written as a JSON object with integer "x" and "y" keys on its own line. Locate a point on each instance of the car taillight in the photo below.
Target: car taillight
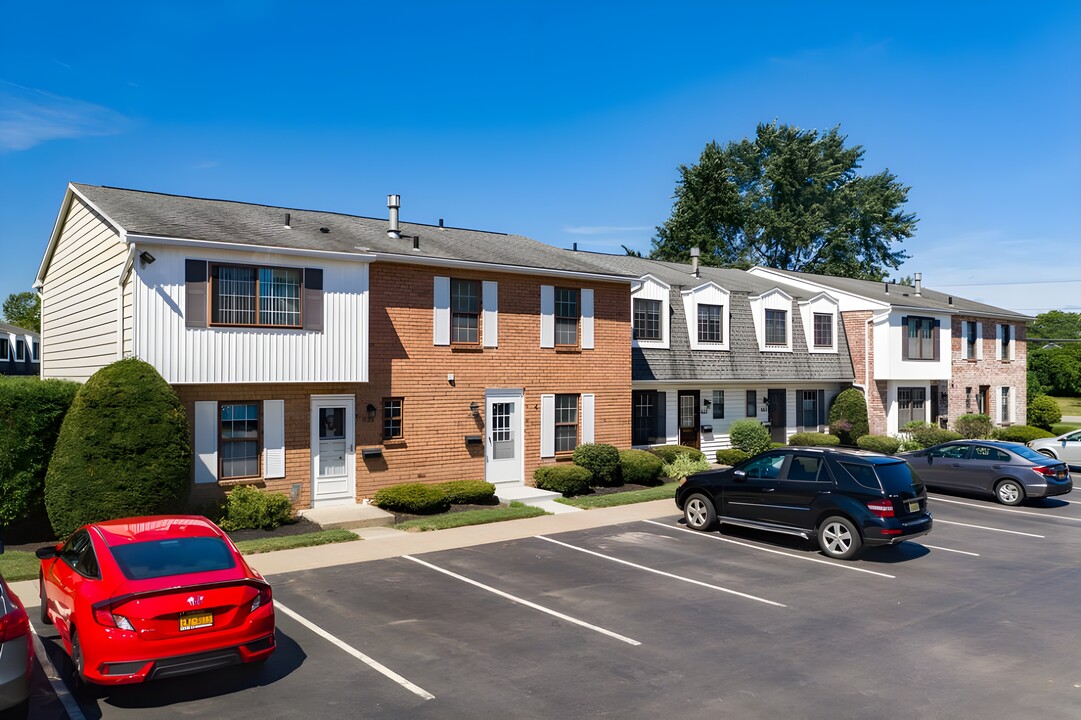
{"x": 881, "y": 508}
{"x": 104, "y": 615}
{"x": 15, "y": 624}
{"x": 1045, "y": 471}
{"x": 263, "y": 598}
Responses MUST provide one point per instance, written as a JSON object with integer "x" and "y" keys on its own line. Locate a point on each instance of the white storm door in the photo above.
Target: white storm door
{"x": 503, "y": 456}
{"x": 333, "y": 449}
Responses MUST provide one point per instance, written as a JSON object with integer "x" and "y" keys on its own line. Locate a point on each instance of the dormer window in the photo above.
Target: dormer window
{"x": 823, "y": 330}
{"x": 776, "y": 328}
{"x": 709, "y": 324}
{"x": 705, "y": 307}
{"x": 647, "y": 319}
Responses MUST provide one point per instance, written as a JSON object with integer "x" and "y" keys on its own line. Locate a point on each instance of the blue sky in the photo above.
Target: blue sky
{"x": 565, "y": 122}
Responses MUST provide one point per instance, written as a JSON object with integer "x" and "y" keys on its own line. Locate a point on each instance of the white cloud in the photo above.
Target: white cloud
{"x": 29, "y": 117}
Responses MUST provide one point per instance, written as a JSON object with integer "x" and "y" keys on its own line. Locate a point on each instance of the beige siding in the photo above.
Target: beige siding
{"x": 129, "y": 347}
{"x": 78, "y": 313}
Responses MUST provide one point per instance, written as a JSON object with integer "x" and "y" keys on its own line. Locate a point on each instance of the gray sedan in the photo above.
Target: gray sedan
{"x": 1009, "y": 472}
{"x": 15, "y": 654}
{"x": 1064, "y": 447}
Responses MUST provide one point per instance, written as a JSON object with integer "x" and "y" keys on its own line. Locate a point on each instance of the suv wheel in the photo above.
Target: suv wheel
{"x": 1009, "y": 492}
{"x": 839, "y": 538}
{"x": 699, "y": 512}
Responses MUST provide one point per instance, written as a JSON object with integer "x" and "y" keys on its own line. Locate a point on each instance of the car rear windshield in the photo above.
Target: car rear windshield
{"x": 160, "y": 558}
{"x": 896, "y": 477}
{"x": 1030, "y": 454}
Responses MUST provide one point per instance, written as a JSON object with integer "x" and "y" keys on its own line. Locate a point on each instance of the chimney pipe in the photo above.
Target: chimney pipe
{"x": 694, "y": 261}
{"x": 919, "y": 283}
{"x": 394, "y": 202}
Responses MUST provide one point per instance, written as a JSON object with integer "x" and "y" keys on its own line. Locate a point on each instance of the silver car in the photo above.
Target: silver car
{"x": 1064, "y": 447}
{"x": 16, "y": 653}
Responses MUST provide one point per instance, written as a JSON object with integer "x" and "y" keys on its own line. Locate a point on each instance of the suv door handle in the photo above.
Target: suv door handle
{"x": 769, "y": 489}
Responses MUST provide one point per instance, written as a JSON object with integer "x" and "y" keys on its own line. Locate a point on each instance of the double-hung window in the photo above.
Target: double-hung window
{"x": 464, "y": 310}
{"x": 647, "y": 319}
{"x": 255, "y": 296}
{"x": 1005, "y": 336}
{"x": 920, "y": 338}
{"x": 1004, "y": 405}
{"x": 239, "y": 440}
{"x": 566, "y": 423}
{"x": 718, "y": 404}
{"x": 970, "y": 341}
{"x": 392, "y": 418}
{"x": 823, "y": 330}
{"x": 752, "y": 403}
{"x": 566, "y": 316}
{"x": 776, "y": 328}
{"x": 709, "y": 324}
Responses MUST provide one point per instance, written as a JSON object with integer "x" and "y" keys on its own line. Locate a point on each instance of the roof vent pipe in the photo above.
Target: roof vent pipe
{"x": 887, "y": 284}
{"x": 919, "y": 283}
{"x": 694, "y": 261}
{"x": 394, "y": 202}
{"x": 287, "y": 225}
{"x": 440, "y": 222}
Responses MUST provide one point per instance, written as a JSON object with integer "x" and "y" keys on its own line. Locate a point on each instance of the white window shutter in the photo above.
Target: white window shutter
{"x": 273, "y": 439}
{"x": 1013, "y": 402}
{"x": 490, "y": 297}
{"x": 588, "y": 401}
{"x": 441, "y": 320}
{"x": 548, "y": 322}
{"x": 206, "y": 442}
{"x": 998, "y": 342}
{"x": 548, "y": 426}
{"x": 1013, "y": 342}
{"x": 979, "y": 341}
{"x": 587, "y": 319}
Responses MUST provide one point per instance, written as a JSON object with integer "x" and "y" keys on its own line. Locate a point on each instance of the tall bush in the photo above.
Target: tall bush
{"x": 601, "y": 460}
{"x": 123, "y": 450}
{"x": 848, "y": 416}
{"x": 750, "y": 436}
{"x": 924, "y": 435}
{"x": 31, "y": 412}
{"x": 973, "y": 426}
{"x": 1043, "y": 412}
{"x": 640, "y": 467}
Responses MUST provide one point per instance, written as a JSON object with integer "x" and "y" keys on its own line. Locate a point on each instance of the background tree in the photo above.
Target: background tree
{"x": 1056, "y": 325}
{"x": 788, "y": 199}
{"x": 23, "y": 310}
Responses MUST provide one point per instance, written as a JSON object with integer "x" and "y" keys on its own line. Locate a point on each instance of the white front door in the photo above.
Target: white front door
{"x": 334, "y": 467}
{"x": 503, "y": 456}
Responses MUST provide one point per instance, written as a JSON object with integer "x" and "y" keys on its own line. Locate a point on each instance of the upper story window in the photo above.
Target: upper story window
{"x": 823, "y": 330}
{"x": 970, "y": 340}
{"x": 919, "y": 338}
{"x": 239, "y": 440}
{"x": 776, "y": 327}
{"x": 566, "y": 317}
{"x": 35, "y": 351}
{"x": 255, "y": 296}
{"x": 647, "y": 319}
{"x": 709, "y": 324}
{"x": 464, "y": 310}
{"x": 1005, "y": 342}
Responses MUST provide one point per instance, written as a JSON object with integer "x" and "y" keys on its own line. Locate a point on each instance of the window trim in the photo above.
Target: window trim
{"x": 478, "y": 330}
{"x": 766, "y": 328}
{"x": 751, "y": 399}
{"x": 214, "y": 280}
{"x": 389, "y": 417}
{"x": 718, "y": 404}
{"x": 222, "y": 441}
{"x": 830, "y": 320}
{"x": 577, "y": 424}
{"x": 709, "y": 307}
{"x": 634, "y": 320}
{"x": 556, "y": 317}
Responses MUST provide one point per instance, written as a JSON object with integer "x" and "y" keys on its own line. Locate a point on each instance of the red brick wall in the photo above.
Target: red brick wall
{"x": 861, "y": 347}
{"x": 988, "y": 371}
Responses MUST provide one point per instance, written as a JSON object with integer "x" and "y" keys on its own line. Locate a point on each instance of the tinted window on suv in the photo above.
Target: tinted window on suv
{"x": 862, "y": 474}
{"x": 768, "y": 466}
{"x": 897, "y": 477}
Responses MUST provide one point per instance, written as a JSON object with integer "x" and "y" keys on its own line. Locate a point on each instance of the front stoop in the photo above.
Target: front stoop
{"x": 534, "y": 497}
{"x": 348, "y": 516}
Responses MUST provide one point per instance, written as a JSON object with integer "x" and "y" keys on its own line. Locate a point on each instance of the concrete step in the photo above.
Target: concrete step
{"x": 532, "y": 496}
{"x": 348, "y": 516}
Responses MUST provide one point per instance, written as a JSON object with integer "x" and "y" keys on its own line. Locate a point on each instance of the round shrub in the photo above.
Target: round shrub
{"x": 1021, "y": 433}
{"x": 750, "y": 436}
{"x": 879, "y": 443}
{"x": 973, "y": 426}
{"x": 413, "y": 498}
{"x": 468, "y": 492}
{"x": 567, "y": 479}
{"x": 684, "y": 465}
{"x": 123, "y": 450}
{"x": 601, "y": 460}
{"x": 731, "y": 457}
{"x": 668, "y": 453}
{"x": 814, "y": 439}
{"x": 848, "y": 416}
{"x": 249, "y": 508}
{"x": 1043, "y": 412}
{"x": 640, "y": 467}
{"x": 924, "y": 434}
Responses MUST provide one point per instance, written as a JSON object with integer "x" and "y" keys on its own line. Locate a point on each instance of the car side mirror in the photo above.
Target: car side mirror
{"x": 46, "y": 553}
{"x": 739, "y": 475}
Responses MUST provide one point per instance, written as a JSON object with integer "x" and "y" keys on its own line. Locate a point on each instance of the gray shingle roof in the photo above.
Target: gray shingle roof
{"x": 189, "y": 218}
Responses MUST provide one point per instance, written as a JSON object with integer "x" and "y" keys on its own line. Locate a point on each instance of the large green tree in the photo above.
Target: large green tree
{"x": 23, "y": 310}
{"x": 1056, "y": 325}
{"x": 788, "y": 199}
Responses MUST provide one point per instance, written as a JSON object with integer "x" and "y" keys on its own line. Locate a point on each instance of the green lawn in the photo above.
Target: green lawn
{"x": 18, "y": 565}
{"x": 287, "y": 542}
{"x": 1069, "y": 405}
{"x": 515, "y": 511}
{"x": 587, "y": 502}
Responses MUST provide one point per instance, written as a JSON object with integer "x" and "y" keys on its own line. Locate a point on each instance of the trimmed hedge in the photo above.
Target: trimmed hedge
{"x": 567, "y": 479}
{"x": 814, "y": 439}
{"x": 848, "y": 416}
{"x": 249, "y": 508}
{"x": 1044, "y": 412}
{"x": 640, "y": 467}
{"x": 924, "y": 434}
{"x": 468, "y": 492}
{"x": 731, "y": 457}
{"x": 668, "y": 453}
{"x": 1021, "y": 433}
{"x": 31, "y": 413}
{"x": 413, "y": 498}
{"x": 750, "y": 436}
{"x": 973, "y": 426}
{"x": 123, "y": 450}
{"x": 600, "y": 460}
{"x": 879, "y": 443}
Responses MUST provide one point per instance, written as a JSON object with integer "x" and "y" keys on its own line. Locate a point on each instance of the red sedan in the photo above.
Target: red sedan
{"x": 154, "y": 597}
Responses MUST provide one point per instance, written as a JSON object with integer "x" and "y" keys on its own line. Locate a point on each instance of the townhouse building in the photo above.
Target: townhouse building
{"x": 20, "y": 350}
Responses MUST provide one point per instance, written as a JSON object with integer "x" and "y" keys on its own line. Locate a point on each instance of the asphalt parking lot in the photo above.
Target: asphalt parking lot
{"x": 646, "y": 619}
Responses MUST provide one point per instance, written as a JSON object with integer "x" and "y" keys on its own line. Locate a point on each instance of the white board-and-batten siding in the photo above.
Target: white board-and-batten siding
{"x": 214, "y": 354}
{"x": 80, "y": 296}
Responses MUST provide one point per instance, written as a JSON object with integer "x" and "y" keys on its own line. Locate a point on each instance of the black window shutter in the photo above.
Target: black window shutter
{"x": 312, "y": 309}
{"x": 821, "y": 407}
{"x": 661, "y": 429}
{"x": 195, "y": 293}
{"x": 934, "y": 337}
{"x": 904, "y": 338}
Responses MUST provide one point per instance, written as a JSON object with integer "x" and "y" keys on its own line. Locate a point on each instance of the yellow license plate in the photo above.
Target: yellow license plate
{"x": 913, "y": 507}
{"x": 192, "y": 621}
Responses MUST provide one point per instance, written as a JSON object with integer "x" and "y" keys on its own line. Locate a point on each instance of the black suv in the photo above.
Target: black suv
{"x": 844, "y": 498}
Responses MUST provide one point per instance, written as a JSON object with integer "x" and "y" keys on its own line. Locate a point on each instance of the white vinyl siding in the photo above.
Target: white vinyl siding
{"x": 206, "y": 442}
{"x": 273, "y": 438}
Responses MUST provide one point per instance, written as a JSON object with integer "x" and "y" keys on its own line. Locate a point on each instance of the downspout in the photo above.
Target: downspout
{"x": 129, "y": 263}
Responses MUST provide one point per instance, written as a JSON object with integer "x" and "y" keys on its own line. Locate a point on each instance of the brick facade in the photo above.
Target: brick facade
{"x": 861, "y": 347}
{"x": 989, "y": 372}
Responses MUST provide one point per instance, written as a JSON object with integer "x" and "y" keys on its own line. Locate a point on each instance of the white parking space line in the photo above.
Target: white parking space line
{"x": 660, "y": 572}
{"x": 71, "y": 707}
{"x": 959, "y": 552}
{"x": 984, "y": 527}
{"x": 527, "y": 603}
{"x": 936, "y": 498}
{"x": 771, "y": 550}
{"x": 370, "y": 662}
